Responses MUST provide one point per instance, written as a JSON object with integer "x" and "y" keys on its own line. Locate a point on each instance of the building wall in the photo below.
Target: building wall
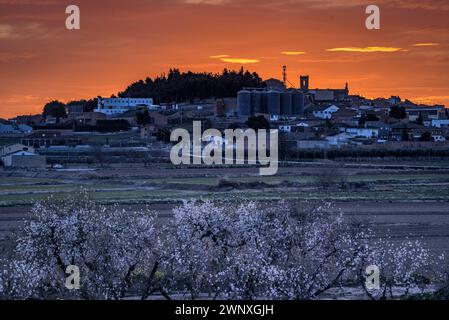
{"x": 440, "y": 123}
{"x": 89, "y": 118}
{"x": 158, "y": 119}
{"x": 16, "y": 161}
{"x": 29, "y": 120}
{"x": 363, "y": 132}
{"x": 15, "y": 148}
{"x": 113, "y": 106}
{"x": 147, "y": 131}
{"x": 323, "y": 95}
{"x": 8, "y": 129}
{"x": 327, "y": 113}
{"x": 75, "y": 108}
{"x": 313, "y": 144}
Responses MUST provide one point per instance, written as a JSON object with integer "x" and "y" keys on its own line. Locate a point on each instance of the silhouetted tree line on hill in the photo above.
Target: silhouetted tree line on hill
{"x": 175, "y": 87}
{"x": 186, "y": 86}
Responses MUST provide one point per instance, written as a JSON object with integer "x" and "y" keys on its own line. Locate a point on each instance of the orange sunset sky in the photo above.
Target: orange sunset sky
{"x": 124, "y": 41}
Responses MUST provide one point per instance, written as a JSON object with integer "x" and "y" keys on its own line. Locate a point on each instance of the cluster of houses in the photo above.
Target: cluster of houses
{"x": 345, "y": 125}
{"x": 333, "y": 118}
{"x": 328, "y": 118}
{"x": 14, "y": 129}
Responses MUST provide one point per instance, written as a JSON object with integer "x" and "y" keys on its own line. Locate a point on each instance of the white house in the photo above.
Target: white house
{"x": 8, "y": 129}
{"x": 114, "y": 106}
{"x": 363, "y": 132}
{"x": 24, "y": 159}
{"x": 438, "y": 138}
{"x": 8, "y": 159}
{"x": 285, "y": 128}
{"x": 15, "y": 129}
{"x": 19, "y": 155}
{"x": 13, "y": 148}
{"x": 339, "y": 139}
{"x": 325, "y": 112}
{"x": 290, "y": 127}
{"x": 23, "y": 128}
{"x": 440, "y": 123}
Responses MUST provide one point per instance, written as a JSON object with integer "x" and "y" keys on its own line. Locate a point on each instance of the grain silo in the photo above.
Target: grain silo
{"x": 244, "y": 103}
{"x": 274, "y": 102}
{"x": 297, "y": 103}
{"x": 264, "y": 102}
{"x": 256, "y": 102}
{"x": 286, "y": 103}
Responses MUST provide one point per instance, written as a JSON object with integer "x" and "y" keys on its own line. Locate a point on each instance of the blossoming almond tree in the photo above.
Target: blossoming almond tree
{"x": 249, "y": 251}
{"x": 209, "y": 250}
{"x": 406, "y": 268}
{"x": 108, "y": 246}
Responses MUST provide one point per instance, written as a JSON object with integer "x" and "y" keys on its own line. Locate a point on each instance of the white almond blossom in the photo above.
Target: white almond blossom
{"x": 108, "y": 245}
{"x": 209, "y": 250}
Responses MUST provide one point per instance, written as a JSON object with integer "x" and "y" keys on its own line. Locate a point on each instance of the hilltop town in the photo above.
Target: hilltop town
{"x": 380, "y": 163}
{"x": 313, "y": 123}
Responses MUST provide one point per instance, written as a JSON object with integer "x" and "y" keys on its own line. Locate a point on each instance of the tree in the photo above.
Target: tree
{"x": 426, "y": 136}
{"x": 420, "y": 119}
{"x": 163, "y": 135}
{"x": 180, "y": 86}
{"x": 398, "y": 112}
{"x": 249, "y": 252}
{"x": 143, "y": 117}
{"x": 90, "y": 105}
{"x": 329, "y": 124}
{"x": 259, "y": 122}
{"x": 234, "y": 125}
{"x": 403, "y": 268}
{"x": 368, "y": 117}
{"x": 210, "y": 250}
{"x": 55, "y": 109}
{"x": 110, "y": 247}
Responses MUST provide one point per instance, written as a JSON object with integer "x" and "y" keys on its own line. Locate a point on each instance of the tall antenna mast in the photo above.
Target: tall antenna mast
{"x": 284, "y": 75}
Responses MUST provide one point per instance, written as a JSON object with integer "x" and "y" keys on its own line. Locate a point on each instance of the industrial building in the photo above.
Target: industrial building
{"x": 271, "y": 101}
{"x": 324, "y": 95}
{"x": 114, "y": 106}
{"x": 278, "y": 101}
